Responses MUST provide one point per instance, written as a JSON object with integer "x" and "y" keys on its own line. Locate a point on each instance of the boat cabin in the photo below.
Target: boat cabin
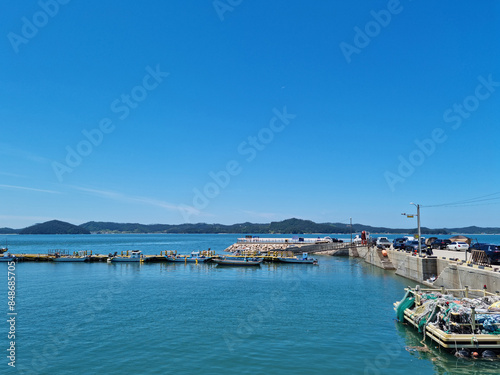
{"x": 135, "y": 254}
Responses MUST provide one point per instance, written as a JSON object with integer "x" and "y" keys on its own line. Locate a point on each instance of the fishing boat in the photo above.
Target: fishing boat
{"x": 195, "y": 257}
{"x": 7, "y": 257}
{"x": 135, "y": 256}
{"x": 304, "y": 260}
{"x": 245, "y": 262}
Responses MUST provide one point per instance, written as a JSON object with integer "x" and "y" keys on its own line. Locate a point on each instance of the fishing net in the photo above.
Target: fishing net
{"x": 452, "y": 315}
{"x": 406, "y": 303}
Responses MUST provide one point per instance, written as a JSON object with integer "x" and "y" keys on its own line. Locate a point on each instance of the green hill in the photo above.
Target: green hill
{"x": 8, "y": 231}
{"x": 289, "y": 226}
{"x": 54, "y": 227}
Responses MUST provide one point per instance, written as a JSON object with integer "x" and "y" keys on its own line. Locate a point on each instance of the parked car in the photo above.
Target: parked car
{"x": 492, "y": 251}
{"x": 412, "y": 246}
{"x": 398, "y": 243}
{"x": 458, "y": 246}
{"x": 329, "y": 239}
{"x": 440, "y": 244}
{"x": 383, "y": 242}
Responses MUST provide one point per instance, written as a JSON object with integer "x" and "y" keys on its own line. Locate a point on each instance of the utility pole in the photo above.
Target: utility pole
{"x": 418, "y": 226}
{"x": 351, "y": 229}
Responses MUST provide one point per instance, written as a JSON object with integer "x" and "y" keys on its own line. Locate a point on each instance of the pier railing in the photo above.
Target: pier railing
{"x": 283, "y": 240}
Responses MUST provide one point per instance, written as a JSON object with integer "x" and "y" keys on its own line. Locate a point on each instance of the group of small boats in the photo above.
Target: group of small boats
{"x": 237, "y": 258}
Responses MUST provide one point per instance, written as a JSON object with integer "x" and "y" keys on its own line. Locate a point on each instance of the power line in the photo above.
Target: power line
{"x": 466, "y": 202}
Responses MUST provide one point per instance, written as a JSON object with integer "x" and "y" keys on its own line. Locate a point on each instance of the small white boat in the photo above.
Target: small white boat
{"x": 7, "y": 257}
{"x": 135, "y": 256}
{"x": 304, "y": 260}
{"x": 244, "y": 262}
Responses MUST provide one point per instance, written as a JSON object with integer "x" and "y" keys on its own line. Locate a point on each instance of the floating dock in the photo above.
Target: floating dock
{"x": 271, "y": 256}
{"x": 452, "y": 319}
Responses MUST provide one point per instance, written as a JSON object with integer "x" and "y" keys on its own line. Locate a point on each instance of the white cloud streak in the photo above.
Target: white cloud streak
{"x": 137, "y": 199}
{"x": 14, "y": 187}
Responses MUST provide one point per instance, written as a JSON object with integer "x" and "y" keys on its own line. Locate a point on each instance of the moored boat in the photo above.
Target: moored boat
{"x": 135, "y": 256}
{"x": 7, "y": 257}
{"x": 194, "y": 257}
{"x": 304, "y": 260}
{"x": 245, "y": 262}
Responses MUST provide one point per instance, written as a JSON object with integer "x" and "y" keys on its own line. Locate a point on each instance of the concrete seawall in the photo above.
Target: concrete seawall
{"x": 432, "y": 271}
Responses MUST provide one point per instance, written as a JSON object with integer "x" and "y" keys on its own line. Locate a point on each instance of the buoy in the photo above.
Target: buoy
{"x": 384, "y": 253}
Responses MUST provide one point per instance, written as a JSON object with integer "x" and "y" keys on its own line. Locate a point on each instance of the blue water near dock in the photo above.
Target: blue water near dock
{"x": 161, "y": 318}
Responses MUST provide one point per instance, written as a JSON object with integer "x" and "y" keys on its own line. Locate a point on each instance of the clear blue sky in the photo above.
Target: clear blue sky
{"x": 234, "y": 111}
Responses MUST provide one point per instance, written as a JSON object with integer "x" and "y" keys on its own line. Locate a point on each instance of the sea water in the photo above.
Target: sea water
{"x": 160, "y": 318}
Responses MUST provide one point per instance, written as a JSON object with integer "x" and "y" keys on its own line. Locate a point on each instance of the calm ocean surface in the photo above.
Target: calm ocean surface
{"x": 200, "y": 319}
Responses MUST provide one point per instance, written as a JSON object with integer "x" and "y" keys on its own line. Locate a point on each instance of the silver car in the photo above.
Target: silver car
{"x": 458, "y": 246}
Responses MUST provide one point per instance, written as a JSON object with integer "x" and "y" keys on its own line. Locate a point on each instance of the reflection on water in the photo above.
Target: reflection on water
{"x": 444, "y": 362}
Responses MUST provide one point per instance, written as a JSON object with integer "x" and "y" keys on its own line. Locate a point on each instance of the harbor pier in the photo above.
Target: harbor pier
{"x": 448, "y": 269}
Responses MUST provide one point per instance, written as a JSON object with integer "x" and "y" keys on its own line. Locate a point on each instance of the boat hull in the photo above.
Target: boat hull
{"x": 186, "y": 260}
{"x": 298, "y": 261}
{"x": 125, "y": 260}
{"x": 241, "y": 263}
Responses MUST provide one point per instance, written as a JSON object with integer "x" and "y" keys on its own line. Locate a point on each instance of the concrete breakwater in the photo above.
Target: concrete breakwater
{"x": 331, "y": 248}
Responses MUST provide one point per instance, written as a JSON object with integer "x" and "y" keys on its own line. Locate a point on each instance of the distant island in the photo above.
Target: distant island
{"x": 289, "y": 226}
{"x": 54, "y": 227}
